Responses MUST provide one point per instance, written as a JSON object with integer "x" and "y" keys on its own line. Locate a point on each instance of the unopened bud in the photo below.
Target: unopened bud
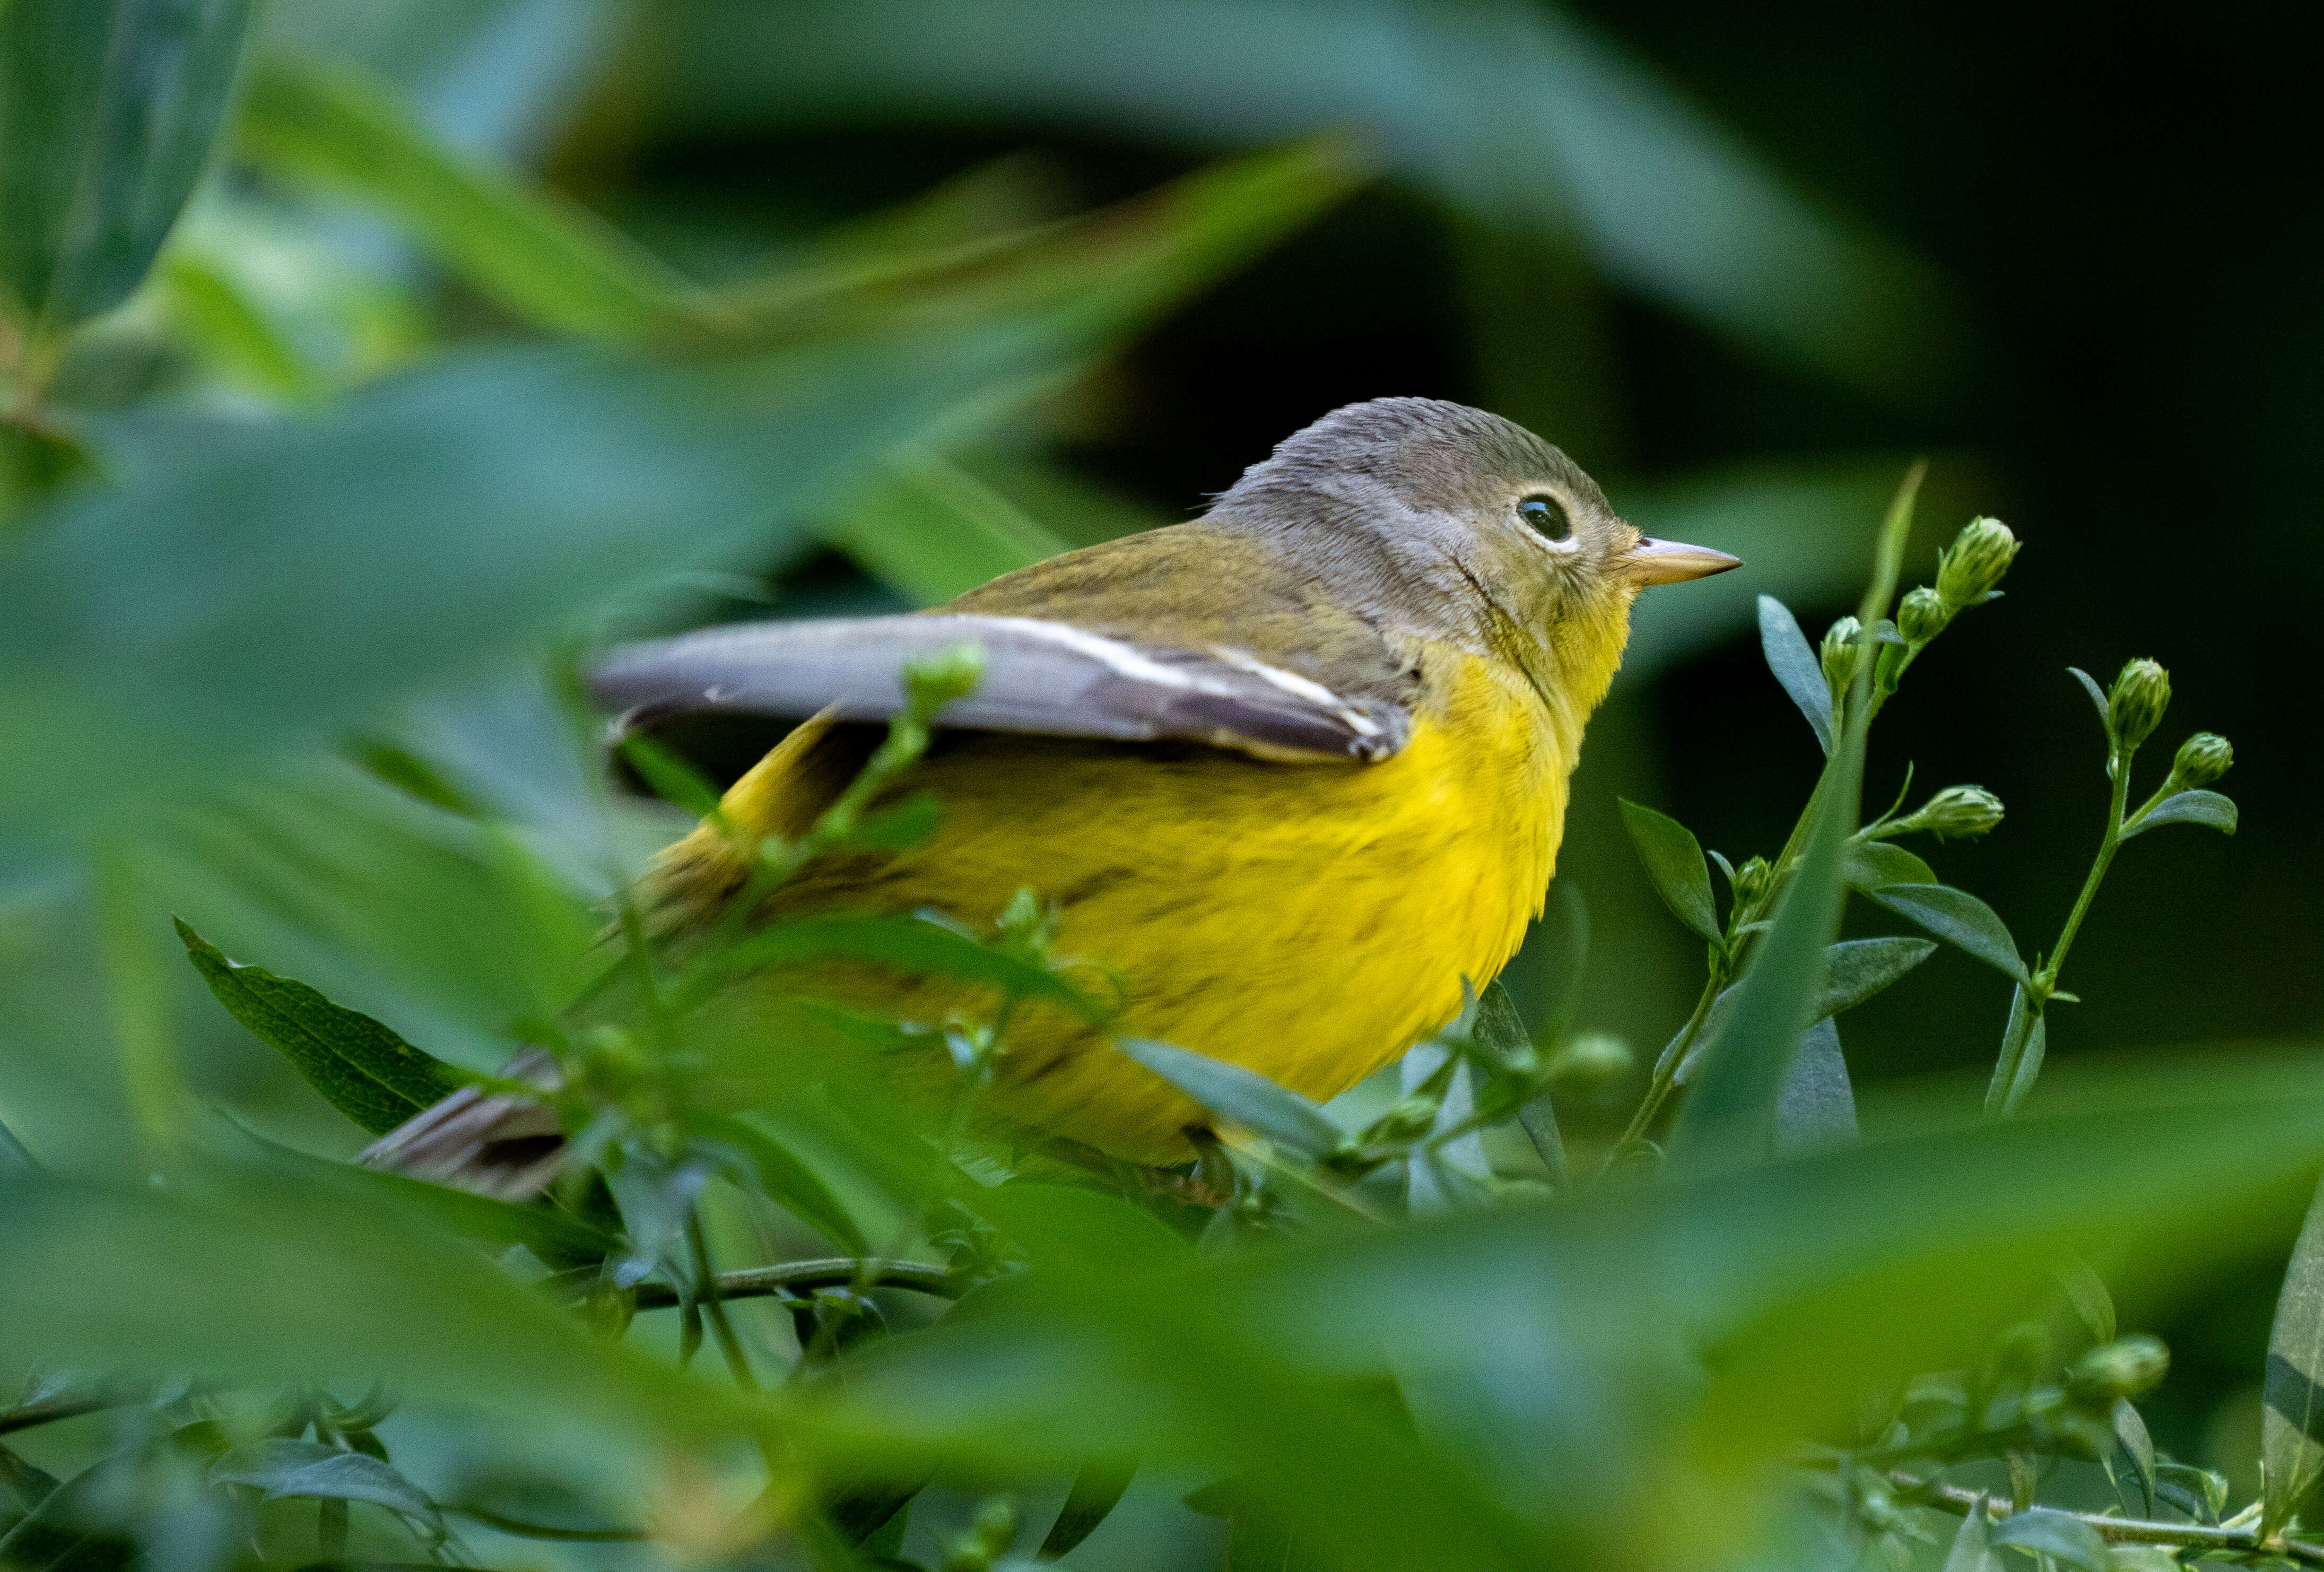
{"x": 1979, "y": 555}
{"x": 1592, "y": 1059}
{"x": 1922, "y": 617}
{"x": 1751, "y": 882}
{"x": 2202, "y": 759}
{"x": 936, "y": 678}
{"x": 1838, "y": 655}
{"x": 1409, "y": 1120}
{"x": 1960, "y": 812}
{"x": 2126, "y": 1367}
{"x": 2136, "y": 702}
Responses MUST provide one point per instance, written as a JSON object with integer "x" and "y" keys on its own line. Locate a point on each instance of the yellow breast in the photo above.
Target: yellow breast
{"x": 1309, "y": 921}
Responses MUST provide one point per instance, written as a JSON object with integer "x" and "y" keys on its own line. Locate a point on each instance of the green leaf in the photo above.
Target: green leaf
{"x": 1855, "y": 969}
{"x": 1816, "y": 1104}
{"x": 930, "y": 531}
{"x": 108, "y": 111}
{"x": 2191, "y": 806}
{"x": 1960, "y": 919}
{"x": 2292, "y": 1425}
{"x": 1673, "y": 861}
{"x": 1971, "y": 1550}
{"x": 2130, "y": 1430}
{"x": 1793, "y": 661}
{"x": 914, "y": 945}
{"x": 361, "y": 1068}
{"x": 1239, "y": 1095}
{"x": 283, "y": 1469}
{"x": 1874, "y": 863}
{"x": 13, "y": 1152}
{"x": 2097, "y": 696}
{"x": 784, "y": 1178}
{"x": 2050, "y": 1533}
{"x": 546, "y": 258}
{"x": 1098, "y": 1488}
{"x": 2086, "y": 1291}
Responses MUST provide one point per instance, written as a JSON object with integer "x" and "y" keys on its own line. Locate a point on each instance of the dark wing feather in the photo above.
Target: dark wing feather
{"x": 1040, "y": 676}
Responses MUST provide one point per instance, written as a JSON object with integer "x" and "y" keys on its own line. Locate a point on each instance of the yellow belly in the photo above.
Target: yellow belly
{"x": 1308, "y": 921}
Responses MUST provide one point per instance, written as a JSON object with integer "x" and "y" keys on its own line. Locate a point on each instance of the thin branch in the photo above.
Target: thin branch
{"x": 792, "y": 1276}
{"x": 53, "y": 1409}
{"x": 2116, "y": 1530}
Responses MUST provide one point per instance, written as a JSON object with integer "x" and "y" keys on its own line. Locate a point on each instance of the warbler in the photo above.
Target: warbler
{"x": 1292, "y": 772}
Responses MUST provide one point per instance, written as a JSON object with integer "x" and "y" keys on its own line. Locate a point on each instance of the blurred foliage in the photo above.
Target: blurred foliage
{"x": 368, "y": 362}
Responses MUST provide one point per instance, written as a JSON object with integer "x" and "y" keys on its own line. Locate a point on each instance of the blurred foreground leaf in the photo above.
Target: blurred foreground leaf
{"x": 2292, "y": 1425}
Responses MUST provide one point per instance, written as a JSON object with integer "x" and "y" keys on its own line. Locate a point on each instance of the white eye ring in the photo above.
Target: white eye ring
{"x": 1546, "y": 516}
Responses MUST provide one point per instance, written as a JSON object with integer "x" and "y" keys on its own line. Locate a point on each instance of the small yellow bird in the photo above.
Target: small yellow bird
{"x": 1292, "y": 771}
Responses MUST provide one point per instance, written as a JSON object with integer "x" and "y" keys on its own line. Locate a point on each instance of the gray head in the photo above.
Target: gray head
{"x": 1452, "y": 524}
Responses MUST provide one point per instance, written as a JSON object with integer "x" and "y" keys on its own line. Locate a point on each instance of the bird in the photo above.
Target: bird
{"x": 1294, "y": 772}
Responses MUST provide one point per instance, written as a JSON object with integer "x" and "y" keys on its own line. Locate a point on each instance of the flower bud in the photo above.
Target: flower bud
{"x": 2202, "y": 759}
{"x": 1838, "y": 655}
{"x": 2134, "y": 705}
{"x": 1960, "y": 812}
{"x": 2126, "y": 1367}
{"x": 1751, "y": 882}
{"x": 1979, "y": 555}
{"x": 936, "y": 678}
{"x": 1922, "y": 617}
{"x": 1590, "y": 1059}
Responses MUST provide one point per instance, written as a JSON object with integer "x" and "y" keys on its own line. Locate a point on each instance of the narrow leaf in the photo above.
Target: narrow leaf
{"x": 1855, "y": 969}
{"x": 2292, "y": 1425}
{"x": 1960, "y": 919}
{"x": 13, "y": 1152}
{"x": 361, "y": 1068}
{"x": 1972, "y": 1543}
{"x": 1098, "y": 1488}
{"x": 2130, "y": 1430}
{"x": 930, "y": 530}
{"x": 1239, "y": 1095}
{"x": 2097, "y": 696}
{"x": 2205, "y": 808}
{"x": 1793, "y": 661}
{"x": 1673, "y": 861}
{"x": 2086, "y": 1291}
{"x": 1816, "y": 1106}
{"x": 2050, "y": 1533}
{"x": 282, "y": 1467}
{"x": 107, "y": 112}
{"x": 787, "y": 1181}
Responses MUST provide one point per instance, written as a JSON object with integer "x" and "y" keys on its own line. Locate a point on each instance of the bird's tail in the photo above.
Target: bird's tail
{"x": 499, "y": 1143}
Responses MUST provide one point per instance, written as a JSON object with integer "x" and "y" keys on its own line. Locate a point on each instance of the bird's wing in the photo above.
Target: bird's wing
{"x": 1040, "y": 676}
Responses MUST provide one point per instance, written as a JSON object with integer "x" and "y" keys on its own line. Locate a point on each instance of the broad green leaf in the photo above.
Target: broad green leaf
{"x": 108, "y": 111}
{"x": 1098, "y": 1488}
{"x": 1874, "y": 863}
{"x": 1960, "y": 919}
{"x": 914, "y": 945}
{"x": 785, "y": 1178}
{"x": 361, "y": 1068}
{"x": 931, "y": 531}
{"x": 2056, "y": 1534}
{"x": 2292, "y": 1425}
{"x": 1816, "y": 1104}
{"x": 281, "y": 1467}
{"x": 1239, "y": 1095}
{"x": 1972, "y": 1546}
{"x": 1793, "y": 661}
{"x": 547, "y": 259}
{"x": 1855, "y": 969}
{"x": 2192, "y": 807}
{"x": 2097, "y": 696}
{"x": 1673, "y": 861}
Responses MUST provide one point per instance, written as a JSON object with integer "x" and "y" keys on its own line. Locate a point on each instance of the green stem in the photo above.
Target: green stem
{"x": 839, "y": 1272}
{"x": 1665, "y": 1076}
{"x": 2117, "y": 1531}
{"x": 713, "y": 1304}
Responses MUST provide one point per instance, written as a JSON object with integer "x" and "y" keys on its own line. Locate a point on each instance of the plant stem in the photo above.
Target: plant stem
{"x": 713, "y": 1304}
{"x": 837, "y": 1272}
{"x": 2116, "y": 1530}
{"x": 50, "y": 1410}
{"x": 1665, "y": 1074}
{"x": 2106, "y": 848}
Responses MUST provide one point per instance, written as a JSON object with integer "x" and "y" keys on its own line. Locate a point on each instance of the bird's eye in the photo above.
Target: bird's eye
{"x": 1546, "y": 516}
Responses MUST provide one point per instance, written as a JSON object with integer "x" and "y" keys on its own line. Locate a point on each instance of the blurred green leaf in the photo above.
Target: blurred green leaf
{"x": 547, "y": 259}
{"x": 108, "y": 111}
{"x": 931, "y": 531}
{"x": 2086, "y": 1291}
{"x": 2292, "y": 1425}
{"x": 13, "y": 1154}
{"x": 2130, "y": 1430}
{"x": 1960, "y": 919}
{"x": 1097, "y": 1489}
{"x": 1795, "y": 664}
{"x": 361, "y": 1068}
{"x": 283, "y": 1469}
{"x": 1855, "y": 969}
{"x": 1816, "y": 1104}
{"x": 1239, "y": 1095}
{"x": 2056, "y": 1534}
{"x": 1673, "y": 861}
{"x": 1971, "y": 1550}
{"x": 2194, "y": 807}
{"x": 784, "y": 1178}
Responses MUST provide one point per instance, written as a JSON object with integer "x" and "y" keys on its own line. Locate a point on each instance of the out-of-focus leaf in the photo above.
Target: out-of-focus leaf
{"x": 1872, "y": 864}
{"x": 13, "y": 1154}
{"x": 2194, "y": 807}
{"x": 1097, "y": 1489}
{"x": 2130, "y": 1430}
{"x": 1239, "y": 1095}
{"x": 547, "y": 259}
{"x": 1667, "y": 202}
{"x": 914, "y": 945}
{"x": 1960, "y": 919}
{"x": 1816, "y": 1104}
{"x": 108, "y": 111}
{"x": 1972, "y": 1546}
{"x": 787, "y": 1180}
{"x": 282, "y": 1467}
{"x": 930, "y": 530}
{"x": 2291, "y": 1426}
{"x": 1673, "y": 861}
{"x": 361, "y": 1068}
{"x": 2056, "y": 1534}
{"x": 1855, "y": 969}
{"x": 1795, "y": 666}
{"x": 2086, "y": 1291}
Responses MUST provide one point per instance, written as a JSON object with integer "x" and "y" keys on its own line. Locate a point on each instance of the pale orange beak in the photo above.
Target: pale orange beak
{"x": 1652, "y": 561}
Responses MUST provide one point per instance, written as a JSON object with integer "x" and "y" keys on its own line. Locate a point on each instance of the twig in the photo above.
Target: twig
{"x": 2116, "y": 1530}
{"x": 838, "y": 1272}
{"x": 54, "y": 1409}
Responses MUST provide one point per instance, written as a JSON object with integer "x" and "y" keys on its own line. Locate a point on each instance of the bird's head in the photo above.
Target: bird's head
{"x": 1448, "y": 522}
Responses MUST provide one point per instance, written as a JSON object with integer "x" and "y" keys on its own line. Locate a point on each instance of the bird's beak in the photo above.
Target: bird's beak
{"x": 1653, "y": 561}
